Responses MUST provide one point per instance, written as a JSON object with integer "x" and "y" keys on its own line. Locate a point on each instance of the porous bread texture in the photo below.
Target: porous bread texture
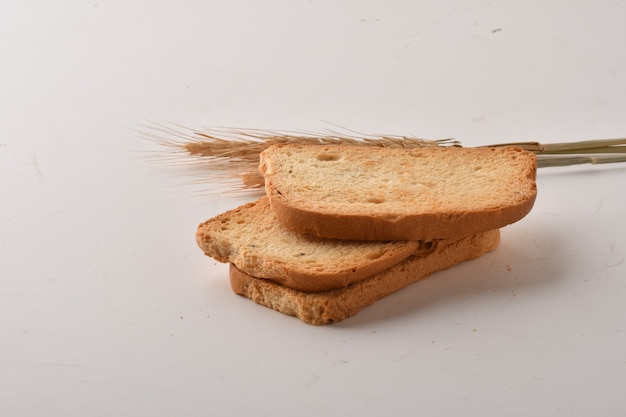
{"x": 375, "y": 193}
{"x": 336, "y": 305}
{"x": 251, "y": 238}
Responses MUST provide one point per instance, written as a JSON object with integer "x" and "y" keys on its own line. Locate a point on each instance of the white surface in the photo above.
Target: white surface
{"x": 107, "y": 307}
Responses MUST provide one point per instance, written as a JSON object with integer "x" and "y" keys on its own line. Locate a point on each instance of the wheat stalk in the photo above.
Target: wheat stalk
{"x": 568, "y": 160}
{"x": 598, "y": 151}
{"x": 233, "y": 153}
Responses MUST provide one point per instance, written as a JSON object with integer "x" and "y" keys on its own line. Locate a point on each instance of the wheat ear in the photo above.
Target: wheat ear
{"x": 234, "y": 153}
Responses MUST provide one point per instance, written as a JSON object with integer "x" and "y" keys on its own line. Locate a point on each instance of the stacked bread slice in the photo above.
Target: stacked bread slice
{"x": 342, "y": 226}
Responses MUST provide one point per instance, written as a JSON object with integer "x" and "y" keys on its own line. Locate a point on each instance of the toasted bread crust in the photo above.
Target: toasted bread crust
{"x": 336, "y": 305}
{"x": 302, "y": 210}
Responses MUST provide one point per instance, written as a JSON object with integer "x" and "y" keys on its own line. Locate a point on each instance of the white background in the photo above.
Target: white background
{"x": 107, "y": 306}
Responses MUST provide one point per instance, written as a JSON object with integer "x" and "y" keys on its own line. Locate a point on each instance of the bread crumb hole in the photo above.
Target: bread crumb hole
{"x": 376, "y": 200}
{"x": 329, "y": 156}
{"x": 427, "y": 245}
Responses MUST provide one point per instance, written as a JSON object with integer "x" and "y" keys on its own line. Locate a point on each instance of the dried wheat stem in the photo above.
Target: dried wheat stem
{"x": 582, "y": 147}
{"x": 567, "y": 160}
{"x": 599, "y": 151}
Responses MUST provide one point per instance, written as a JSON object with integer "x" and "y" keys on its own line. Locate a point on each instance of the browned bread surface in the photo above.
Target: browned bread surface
{"x": 336, "y": 305}
{"x": 373, "y": 193}
{"x": 251, "y": 238}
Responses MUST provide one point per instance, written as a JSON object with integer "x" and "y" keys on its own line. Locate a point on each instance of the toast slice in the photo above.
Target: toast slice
{"x": 336, "y": 305}
{"x": 251, "y": 238}
{"x": 375, "y": 193}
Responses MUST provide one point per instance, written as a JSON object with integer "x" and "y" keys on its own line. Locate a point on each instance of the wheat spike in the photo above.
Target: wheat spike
{"x": 234, "y": 153}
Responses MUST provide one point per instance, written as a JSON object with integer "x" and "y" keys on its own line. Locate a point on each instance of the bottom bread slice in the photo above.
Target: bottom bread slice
{"x": 336, "y": 305}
